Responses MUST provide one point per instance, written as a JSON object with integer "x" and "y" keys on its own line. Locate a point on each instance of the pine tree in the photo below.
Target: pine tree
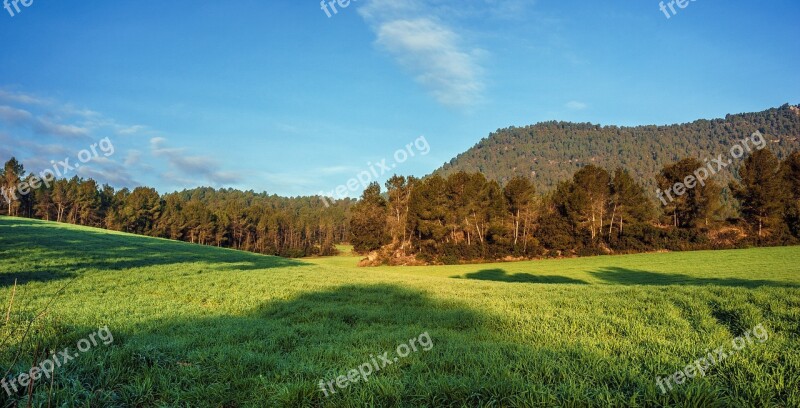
{"x": 520, "y": 195}
{"x": 368, "y": 230}
{"x": 790, "y": 169}
{"x": 693, "y": 204}
{"x": 628, "y": 201}
{"x": 13, "y": 171}
{"x": 589, "y": 198}
{"x": 760, "y": 191}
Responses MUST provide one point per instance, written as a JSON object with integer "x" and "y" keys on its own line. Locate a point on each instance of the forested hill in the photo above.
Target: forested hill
{"x": 551, "y": 152}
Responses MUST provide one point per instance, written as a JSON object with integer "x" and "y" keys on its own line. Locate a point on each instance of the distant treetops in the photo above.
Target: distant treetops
{"x": 465, "y": 217}
{"x": 542, "y": 190}
{"x": 458, "y": 218}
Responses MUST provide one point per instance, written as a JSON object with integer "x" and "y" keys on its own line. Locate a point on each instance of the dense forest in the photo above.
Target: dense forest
{"x": 551, "y": 152}
{"x": 552, "y": 189}
{"x": 466, "y": 217}
{"x": 256, "y": 222}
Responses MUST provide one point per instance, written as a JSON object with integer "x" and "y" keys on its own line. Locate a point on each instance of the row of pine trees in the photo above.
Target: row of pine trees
{"x": 466, "y": 217}
{"x": 462, "y": 217}
{"x": 256, "y": 222}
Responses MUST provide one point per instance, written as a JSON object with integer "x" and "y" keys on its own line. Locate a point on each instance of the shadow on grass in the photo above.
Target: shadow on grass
{"x": 49, "y": 250}
{"x": 276, "y": 355}
{"x": 623, "y": 276}
{"x": 500, "y": 275}
{"x": 21, "y": 278}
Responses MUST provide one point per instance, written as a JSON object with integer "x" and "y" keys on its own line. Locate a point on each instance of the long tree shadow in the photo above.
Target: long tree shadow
{"x": 624, "y": 276}
{"x": 500, "y": 275}
{"x": 44, "y": 251}
{"x": 21, "y": 278}
{"x": 278, "y": 353}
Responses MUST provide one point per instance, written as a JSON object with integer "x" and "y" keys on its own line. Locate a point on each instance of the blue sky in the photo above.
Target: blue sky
{"x": 276, "y": 96}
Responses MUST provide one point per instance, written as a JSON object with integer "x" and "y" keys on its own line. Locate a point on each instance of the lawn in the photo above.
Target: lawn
{"x": 203, "y": 326}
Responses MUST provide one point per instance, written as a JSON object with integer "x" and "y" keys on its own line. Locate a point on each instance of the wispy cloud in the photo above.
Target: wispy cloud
{"x": 46, "y": 130}
{"x": 191, "y": 167}
{"x": 15, "y": 116}
{"x": 49, "y": 117}
{"x": 42, "y": 156}
{"x": 107, "y": 171}
{"x": 130, "y": 130}
{"x": 431, "y": 50}
{"x": 576, "y": 105}
{"x": 22, "y": 98}
{"x": 133, "y": 158}
{"x": 43, "y": 126}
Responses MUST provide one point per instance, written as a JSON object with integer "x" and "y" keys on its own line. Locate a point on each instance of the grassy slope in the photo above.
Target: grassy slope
{"x": 198, "y": 326}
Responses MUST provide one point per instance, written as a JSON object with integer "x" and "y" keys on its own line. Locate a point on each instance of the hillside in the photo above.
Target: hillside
{"x": 202, "y": 326}
{"x": 551, "y": 152}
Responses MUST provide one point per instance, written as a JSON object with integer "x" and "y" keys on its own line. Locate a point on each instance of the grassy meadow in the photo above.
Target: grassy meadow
{"x": 203, "y": 326}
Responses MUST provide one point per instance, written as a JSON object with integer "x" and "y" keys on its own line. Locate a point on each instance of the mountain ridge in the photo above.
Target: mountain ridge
{"x": 550, "y": 152}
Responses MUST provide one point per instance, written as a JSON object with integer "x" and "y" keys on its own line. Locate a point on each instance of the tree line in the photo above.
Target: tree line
{"x": 551, "y": 152}
{"x": 244, "y": 220}
{"x": 466, "y": 217}
{"x": 461, "y": 217}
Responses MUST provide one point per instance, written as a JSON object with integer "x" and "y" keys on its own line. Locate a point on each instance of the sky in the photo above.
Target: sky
{"x": 291, "y": 98}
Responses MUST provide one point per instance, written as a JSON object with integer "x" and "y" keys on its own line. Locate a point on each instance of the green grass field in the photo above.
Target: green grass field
{"x": 202, "y": 326}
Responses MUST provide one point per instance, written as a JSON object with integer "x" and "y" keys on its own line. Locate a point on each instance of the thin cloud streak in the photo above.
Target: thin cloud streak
{"x": 191, "y": 166}
{"x": 22, "y": 118}
{"x": 28, "y": 117}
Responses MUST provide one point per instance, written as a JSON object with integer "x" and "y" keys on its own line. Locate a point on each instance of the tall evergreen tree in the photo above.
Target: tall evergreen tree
{"x": 399, "y": 190}
{"x": 520, "y": 195}
{"x": 628, "y": 202}
{"x": 589, "y": 198}
{"x": 790, "y": 169}
{"x": 13, "y": 171}
{"x": 428, "y": 215}
{"x": 368, "y": 230}
{"x": 692, "y": 205}
{"x": 760, "y": 191}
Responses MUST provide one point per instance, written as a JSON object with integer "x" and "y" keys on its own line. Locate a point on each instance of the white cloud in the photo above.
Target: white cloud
{"x": 15, "y": 116}
{"x": 130, "y": 130}
{"x": 22, "y": 98}
{"x": 46, "y": 127}
{"x": 432, "y": 51}
{"x": 49, "y": 117}
{"x": 43, "y": 126}
{"x": 81, "y": 112}
{"x": 48, "y": 130}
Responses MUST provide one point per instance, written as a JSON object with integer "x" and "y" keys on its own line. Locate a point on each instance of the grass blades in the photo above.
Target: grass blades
{"x": 202, "y": 326}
